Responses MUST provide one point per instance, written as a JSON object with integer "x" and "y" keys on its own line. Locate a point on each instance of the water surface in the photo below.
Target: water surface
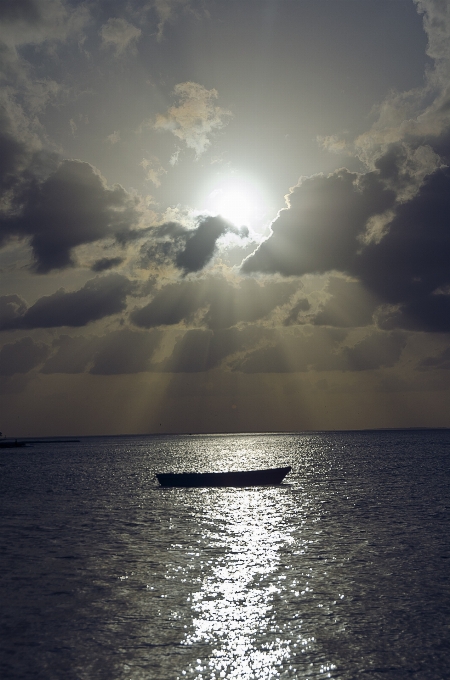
{"x": 341, "y": 572}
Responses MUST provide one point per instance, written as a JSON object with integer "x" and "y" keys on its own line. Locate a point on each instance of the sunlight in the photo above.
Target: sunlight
{"x": 238, "y": 201}
{"x": 234, "y": 609}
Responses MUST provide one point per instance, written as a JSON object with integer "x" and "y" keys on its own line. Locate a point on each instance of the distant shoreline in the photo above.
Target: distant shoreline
{"x": 77, "y": 438}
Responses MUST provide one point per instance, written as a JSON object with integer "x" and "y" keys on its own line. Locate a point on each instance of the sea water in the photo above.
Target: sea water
{"x": 340, "y": 572}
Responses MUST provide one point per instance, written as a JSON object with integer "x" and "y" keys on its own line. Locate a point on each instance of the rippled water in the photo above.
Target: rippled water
{"x": 341, "y": 572}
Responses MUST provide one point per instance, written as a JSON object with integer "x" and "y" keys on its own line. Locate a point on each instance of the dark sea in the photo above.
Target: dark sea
{"x": 340, "y": 572}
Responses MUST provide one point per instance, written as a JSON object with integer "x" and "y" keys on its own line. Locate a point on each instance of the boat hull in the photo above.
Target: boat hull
{"x": 220, "y": 479}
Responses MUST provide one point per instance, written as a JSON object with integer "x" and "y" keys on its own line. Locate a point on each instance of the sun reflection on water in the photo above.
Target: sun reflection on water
{"x": 233, "y": 612}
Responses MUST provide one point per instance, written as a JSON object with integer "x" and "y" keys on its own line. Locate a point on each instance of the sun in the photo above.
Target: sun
{"x": 237, "y": 200}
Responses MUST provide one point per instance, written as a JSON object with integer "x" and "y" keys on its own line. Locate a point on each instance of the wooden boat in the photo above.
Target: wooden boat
{"x": 238, "y": 478}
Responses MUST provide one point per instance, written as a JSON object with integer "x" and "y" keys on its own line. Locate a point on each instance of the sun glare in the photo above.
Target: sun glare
{"x": 238, "y": 201}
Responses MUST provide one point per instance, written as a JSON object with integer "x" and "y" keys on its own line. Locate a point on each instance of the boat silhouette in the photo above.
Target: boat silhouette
{"x": 240, "y": 478}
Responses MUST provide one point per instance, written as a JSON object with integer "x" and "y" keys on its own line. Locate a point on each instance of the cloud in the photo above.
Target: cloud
{"x": 153, "y": 170}
{"x": 38, "y": 21}
{"x": 410, "y": 266}
{"x": 442, "y": 361}
{"x": 191, "y": 353}
{"x": 106, "y": 263}
{"x": 213, "y": 302}
{"x": 116, "y": 353}
{"x": 403, "y": 261}
{"x": 188, "y": 249}
{"x": 125, "y": 352}
{"x": 70, "y": 207}
{"x": 387, "y": 228}
{"x": 26, "y": 91}
{"x": 114, "y": 137}
{"x": 247, "y": 349}
{"x": 201, "y": 350}
{"x": 418, "y": 119}
{"x": 413, "y": 257}
{"x": 375, "y": 351}
{"x": 349, "y": 305}
{"x": 430, "y": 314}
{"x": 296, "y": 350}
{"x": 71, "y": 354}
{"x": 12, "y": 309}
{"x": 201, "y": 243}
{"x": 195, "y": 118}
{"x": 21, "y": 356}
{"x": 20, "y": 156}
{"x": 100, "y": 297}
{"x": 322, "y": 349}
{"x": 166, "y": 11}
{"x": 301, "y": 306}
{"x": 119, "y": 35}
{"x": 320, "y": 230}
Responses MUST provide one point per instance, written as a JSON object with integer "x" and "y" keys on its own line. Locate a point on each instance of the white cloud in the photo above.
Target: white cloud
{"x": 114, "y": 137}
{"x": 153, "y": 170}
{"x": 195, "y": 118}
{"x": 421, "y": 112}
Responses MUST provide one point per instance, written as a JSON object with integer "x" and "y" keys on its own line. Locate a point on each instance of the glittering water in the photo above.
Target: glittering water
{"x": 341, "y": 572}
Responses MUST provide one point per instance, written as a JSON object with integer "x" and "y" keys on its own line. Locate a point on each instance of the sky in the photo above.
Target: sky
{"x": 224, "y": 215}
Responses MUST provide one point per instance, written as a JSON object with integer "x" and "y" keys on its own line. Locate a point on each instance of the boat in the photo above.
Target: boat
{"x": 237, "y": 478}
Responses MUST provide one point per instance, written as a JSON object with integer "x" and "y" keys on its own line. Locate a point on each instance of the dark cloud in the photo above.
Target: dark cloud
{"x": 378, "y": 350}
{"x": 99, "y": 297}
{"x": 271, "y": 359}
{"x": 218, "y": 303}
{"x": 21, "y": 356}
{"x": 38, "y": 21}
{"x": 256, "y": 350}
{"x": 20, "y": 10}
{"x": 410, "y": 267}
{"x": 322, "y": 350}
{"x": 129, "y": 351}
{"x": 442, "y": 361}
{"x": 126, "y": 352}
{"x": 295, "y": 351}
{"x": 202, "y": 350}
{"x": 300, "y": 307}
{"x": 171, "y": 305}
{"x": 201, "y": 243}
{"x": 12, "y": 309}
{"x": 164, "y": 243}
{"x": 106, "y": 263}
{"x": 71, "y": 354}
{"x": 248, "y": 350}
{"x": 189, "y": 249}
{"x": 430, "y": 314}
{"x": 413, "y": 258}
{"x": 118, "y": 352}
{"x": 73, "y": 206}
{"x": 56, "y": 205}
{"x": 405, "y": 265}
{"x": 191, "y": 353}
{"x": 319, "y": 232}
{"x": 20, "y": 160}
{"x": 349, "y": 305}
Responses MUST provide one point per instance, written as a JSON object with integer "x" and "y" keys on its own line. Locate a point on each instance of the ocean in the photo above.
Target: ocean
{"x": 341, "y": 572}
